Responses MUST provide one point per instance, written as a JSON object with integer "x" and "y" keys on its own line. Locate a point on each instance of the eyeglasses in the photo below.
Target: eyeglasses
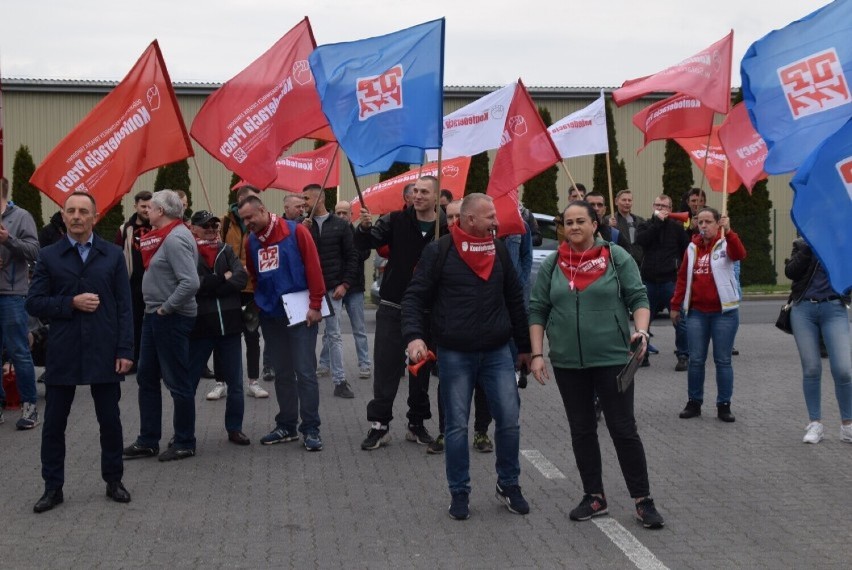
{"x": 211, "y": 226}
{"x": 662, "y": 206}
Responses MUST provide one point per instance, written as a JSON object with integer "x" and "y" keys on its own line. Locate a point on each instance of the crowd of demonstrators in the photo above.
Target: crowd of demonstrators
{"x": 281, "y": 259}
{"x": 233, "y": 232}
{"x": 471, "y": 305}
{"x": 81, "y": 284}
{"x": 663, "y": 242}
{"x": 219, "y": 319}
{"x": 586, "y": 278}
{"x": 18, "y": 249}
{"x": 353, "y": 301}
{"x": 407, "y": 232}
{"x": 708, "y": 291}
{"x": 170, "y": 258}
{"x": 819, "y": 311}
{"x": 339, "y": 261}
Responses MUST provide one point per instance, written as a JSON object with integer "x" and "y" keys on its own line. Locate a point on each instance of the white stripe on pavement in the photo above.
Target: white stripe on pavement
{"x": 540, "y": 462}
{"x": 643, "y": 558}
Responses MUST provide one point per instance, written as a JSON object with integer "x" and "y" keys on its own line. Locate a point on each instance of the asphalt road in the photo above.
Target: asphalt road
{"x": 742, "y": 495}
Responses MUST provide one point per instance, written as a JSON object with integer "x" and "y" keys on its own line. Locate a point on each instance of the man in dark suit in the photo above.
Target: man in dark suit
{"x": 81, "y": 285}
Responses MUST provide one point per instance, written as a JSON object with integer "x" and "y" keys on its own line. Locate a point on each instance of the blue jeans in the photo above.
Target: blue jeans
{"x": 722, "y": 328}
{"x": 659, "y": 297}
{"x": 165, "y": 354}
{"x": 292, "y": 352}
{"x": 331, "y": 355}
{"x": 354, "y": 303}
{"x": 229, "y": 369}
{"x": 494, "y": 369}
{"x": 830, "y": 319}
{"x": 13, "y": 338}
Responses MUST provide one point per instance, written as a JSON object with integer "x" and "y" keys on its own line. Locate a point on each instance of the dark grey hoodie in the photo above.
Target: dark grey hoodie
{"x": 20, "y": 249}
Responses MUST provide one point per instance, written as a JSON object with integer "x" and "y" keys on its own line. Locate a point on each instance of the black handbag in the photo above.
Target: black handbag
{"x": 783, "y": 321}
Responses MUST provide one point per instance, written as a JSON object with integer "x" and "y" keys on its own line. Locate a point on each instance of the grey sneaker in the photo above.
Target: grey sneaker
{"x": 365, "y": 372}
{"x": 323, "y": 371}
{"x": 29, "y": 416}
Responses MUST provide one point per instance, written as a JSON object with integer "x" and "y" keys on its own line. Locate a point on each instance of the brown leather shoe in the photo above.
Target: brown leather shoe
{"x": 238, "y": 437}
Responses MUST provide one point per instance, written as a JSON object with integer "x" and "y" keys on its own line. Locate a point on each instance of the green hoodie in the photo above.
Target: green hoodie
{"x": 589, "y": 328}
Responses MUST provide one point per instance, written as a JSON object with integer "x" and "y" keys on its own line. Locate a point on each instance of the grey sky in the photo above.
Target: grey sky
{"x": 545, "y": 42}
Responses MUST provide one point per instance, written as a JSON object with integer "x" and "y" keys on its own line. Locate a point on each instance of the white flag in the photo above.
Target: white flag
{"x": 476, "y": 127}
{"x": 583, "y": 132}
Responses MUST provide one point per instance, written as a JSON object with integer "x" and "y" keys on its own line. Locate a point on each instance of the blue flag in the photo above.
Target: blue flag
{"x": 822, "y": 206}
{"x": 404, "y": 155}
{"x": 383, "y": 93}
{"x": 796, "y": 84}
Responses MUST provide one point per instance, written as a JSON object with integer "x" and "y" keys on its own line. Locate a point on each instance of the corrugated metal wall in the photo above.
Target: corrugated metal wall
{"x": 39, "y": 120}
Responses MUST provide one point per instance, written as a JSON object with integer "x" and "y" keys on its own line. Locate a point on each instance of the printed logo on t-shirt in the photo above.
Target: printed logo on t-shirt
{"x": 267, "y": 259}
{"x": 702, "y": 265}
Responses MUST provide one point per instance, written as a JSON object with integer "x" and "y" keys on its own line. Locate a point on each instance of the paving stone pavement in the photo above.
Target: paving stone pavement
{"x": 742, "y": 495}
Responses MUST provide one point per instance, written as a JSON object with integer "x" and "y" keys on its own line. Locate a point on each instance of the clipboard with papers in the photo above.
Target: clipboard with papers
{"x": 625, "y": 377}
{"x": 296, "y": 307}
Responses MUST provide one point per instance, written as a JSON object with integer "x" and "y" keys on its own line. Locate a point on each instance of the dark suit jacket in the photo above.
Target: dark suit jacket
{"x": 82, "y": 347}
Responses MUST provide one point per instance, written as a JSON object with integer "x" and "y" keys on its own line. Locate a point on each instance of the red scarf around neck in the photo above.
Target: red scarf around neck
{"x": 582, "y": 269}
{"x": 151, "y": 242}
{"x": 478, "y": 253}
{"x": 208, "y": 249}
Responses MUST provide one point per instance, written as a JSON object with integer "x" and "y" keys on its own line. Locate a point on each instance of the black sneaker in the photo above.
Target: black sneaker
{"x": 437, "y": 446}
{"x": 682, "y": 364}
{"x": 692, "y": 410}
{"x": 343, "y": 390}
{"x": 268, "y": 374}
{"x": 173, "y": 453}
{"x": 482, "y": 443}
{"x": 723, "y": 412}
{"x": 459, "y": 508}
{"x": 418, "y": 434}
{"x": 136, "y": 451}
{"x": 375, "y": 439}
{"x": 513, "y": 499}
{"x": 590, "y": 506}
{"x": 647, "y": 514}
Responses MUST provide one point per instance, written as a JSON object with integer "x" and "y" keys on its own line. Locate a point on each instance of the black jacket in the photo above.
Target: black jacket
{"x": 338, "y": 257}
{"x": 800, "y": 267}
{"x": 363, "y": 255}
{"x": 401, "y": 231}
{"x": 663, "y": 243}
{"x": 467, "y": 313}
{"x": 219, "y": 302}
{"x": 53, "y": 231}
{"x": 624, "y": 229}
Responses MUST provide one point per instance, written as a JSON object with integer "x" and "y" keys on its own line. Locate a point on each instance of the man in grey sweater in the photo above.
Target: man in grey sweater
{"x": 170, "y": 256}
{"x": 18, "y": 247}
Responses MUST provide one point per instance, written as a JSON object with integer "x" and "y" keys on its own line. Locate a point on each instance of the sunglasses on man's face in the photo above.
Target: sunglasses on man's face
{"x": 211, "y": 226}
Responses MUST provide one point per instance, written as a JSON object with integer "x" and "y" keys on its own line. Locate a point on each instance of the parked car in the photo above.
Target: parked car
{"x": 546, "y": 225}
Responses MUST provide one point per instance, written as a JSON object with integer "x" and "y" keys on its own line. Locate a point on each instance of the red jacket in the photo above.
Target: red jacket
{"x": 705, "y": 296}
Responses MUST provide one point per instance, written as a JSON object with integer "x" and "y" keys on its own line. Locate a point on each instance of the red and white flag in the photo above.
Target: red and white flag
{"x": 298, "y": 170}
{"x": 711, "y": 160}
{"x": 745, "y": 148}
{"x": 248, "y": 122}
{"x": 526, "y": 150}
{"x": 679, "y": 116}
{"x": 386, "y": 196}
{"x": 706, "y": 76}
{"x": 583, "y": 132}
{"x": 136, "y": 128}
{"x": 476, "y": 127}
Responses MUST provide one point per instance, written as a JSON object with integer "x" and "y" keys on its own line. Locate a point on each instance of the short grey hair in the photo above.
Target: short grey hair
{"x": 471, "y": 200}
{"x": 168, "y": 201}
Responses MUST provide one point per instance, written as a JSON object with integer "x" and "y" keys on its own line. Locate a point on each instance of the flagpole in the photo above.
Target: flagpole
{"x": 437, "y": 198}
{"x": 357, "y": 186}
{"x": 325, "y": 181}
{"x": 571, "y": 178}
{"x": 725, "y": 192}
{"x": 609, "y": 180}
{"x": 203, "y": 186}
{"x": 707, "y": 149}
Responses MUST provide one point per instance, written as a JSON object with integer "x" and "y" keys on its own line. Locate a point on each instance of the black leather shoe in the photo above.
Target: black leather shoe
{"x": 238, "y": 437}
{"x": 723, "y": 412}
{"x": 117, "y": 492}
{"x": 136, "y": 450}
{"x": 50, "y": 499}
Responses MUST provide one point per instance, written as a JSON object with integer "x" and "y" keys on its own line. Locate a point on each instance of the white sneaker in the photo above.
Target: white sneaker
{"x": 218, "y": 391}
{"x": 846, "y": 433}
{"x": 323, "y": 371}
{"x": 365, "y": 372}
{"x": 815, "y": 433}
{"x": 255, "y": 391}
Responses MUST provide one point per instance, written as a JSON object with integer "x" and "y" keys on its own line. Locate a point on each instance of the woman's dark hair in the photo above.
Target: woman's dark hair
{"x": 716, "y": 215}
{"x": 593, "y": 216}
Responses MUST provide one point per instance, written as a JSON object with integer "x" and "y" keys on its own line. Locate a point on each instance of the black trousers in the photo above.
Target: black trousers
{"x": 58, "y": 400}
{"x": 389, "y": 363}
{"x": 578, "y": 388}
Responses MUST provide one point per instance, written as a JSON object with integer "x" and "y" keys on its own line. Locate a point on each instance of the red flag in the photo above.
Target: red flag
{"x": 745, "y": 148}
{"x": 1, "y": 128}
{"x": 136, "y": 128}
{"x": 679, "y": 116}
{"x": 706, "y": 75}
{"x": 508, "y": 214}
{"x": 714, "y": 166}
{"x": 298, "y": 170}
{"x": 386, "y": 196}
{"x": 251, "y": 119}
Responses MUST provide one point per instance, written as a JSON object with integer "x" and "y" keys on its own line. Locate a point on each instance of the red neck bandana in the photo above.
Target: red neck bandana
{"x": 208, "y": 249}
{"x": 582, "y": 269}
{"x": 151, "y": 242}
{"x": 478, "y": 253}
{"x": 274, "y": 232}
